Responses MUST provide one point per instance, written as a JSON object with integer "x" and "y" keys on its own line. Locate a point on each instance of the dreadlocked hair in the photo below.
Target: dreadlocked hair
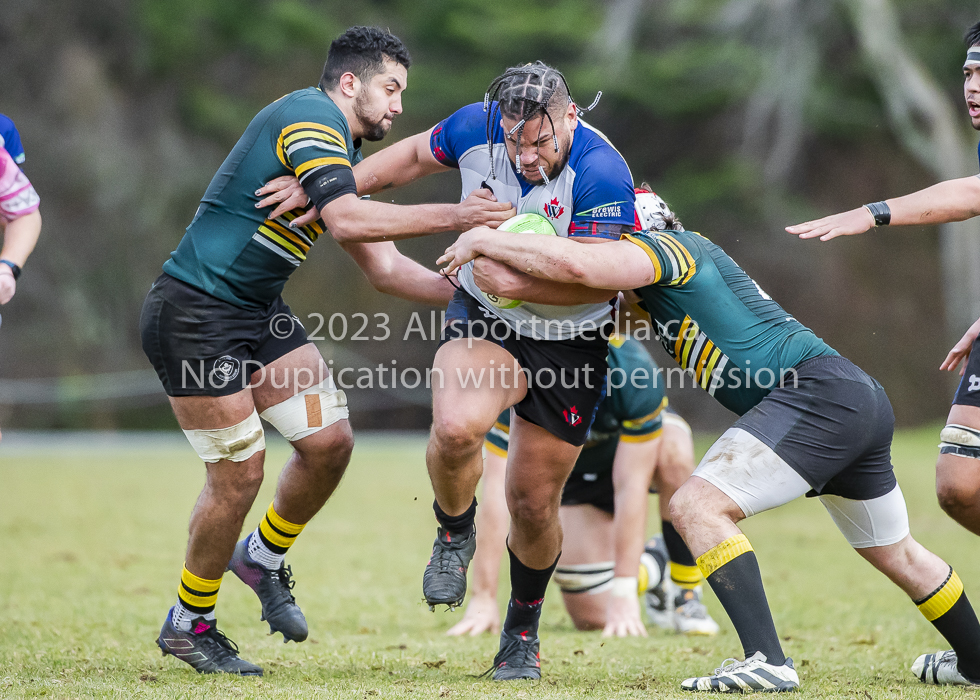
{"x": 525, "y": 93}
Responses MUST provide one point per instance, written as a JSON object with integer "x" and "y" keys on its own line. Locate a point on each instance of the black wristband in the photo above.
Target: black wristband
{"x": 14, "y": 267}
{"x": 881, "y": 213}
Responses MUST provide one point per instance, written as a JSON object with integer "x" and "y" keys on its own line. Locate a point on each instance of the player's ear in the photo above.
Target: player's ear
{"x": 349, "y": 84}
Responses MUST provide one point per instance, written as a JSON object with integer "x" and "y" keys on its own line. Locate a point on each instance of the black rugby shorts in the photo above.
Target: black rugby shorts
{"x": 968, "y": 392}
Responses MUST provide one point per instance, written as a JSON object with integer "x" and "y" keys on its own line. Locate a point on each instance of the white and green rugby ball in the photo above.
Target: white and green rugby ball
{"x": 522, "y": 223}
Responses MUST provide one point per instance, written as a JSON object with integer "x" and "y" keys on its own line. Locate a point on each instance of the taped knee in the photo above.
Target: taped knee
{"x": 585, "y": 578}
{"x": 236, "y": 444}
{"x": 309, "y": 411}
{"x": 960, "y": 440}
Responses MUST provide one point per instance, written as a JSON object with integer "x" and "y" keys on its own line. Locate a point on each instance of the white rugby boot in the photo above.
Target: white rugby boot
{"x": 939, "y": 669}
{"x": 753, "y": 675}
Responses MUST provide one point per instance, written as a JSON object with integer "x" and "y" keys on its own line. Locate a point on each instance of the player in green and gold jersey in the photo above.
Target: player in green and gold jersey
{"x": 810, "y": 422}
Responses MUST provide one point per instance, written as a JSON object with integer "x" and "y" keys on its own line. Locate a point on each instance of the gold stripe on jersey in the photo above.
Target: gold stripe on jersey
{"x": 658, "y": 271}
{"x": 623, "y": 437}
{"x": 310, "y": 130}
{"x": 685, "y": 266}
{"x": 694, "y": 351}
{"x": 493, "y": 449}
{"x": 635, "y": 423}
{"x": 290, "y": 241}
{"x": 311, "y": 165}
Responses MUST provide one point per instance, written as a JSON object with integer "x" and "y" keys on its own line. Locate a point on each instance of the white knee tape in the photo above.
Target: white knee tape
{"x": 675, "y": 420}
{"x": 585, "y": 578}
{"x": 874, "y": 523}
{"x": 236, "y": 444}
{"x": 309, "y": 411}
{"x": 960, "y": 440}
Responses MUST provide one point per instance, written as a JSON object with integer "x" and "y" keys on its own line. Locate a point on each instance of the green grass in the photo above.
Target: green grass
{"x": 91, "y": 544}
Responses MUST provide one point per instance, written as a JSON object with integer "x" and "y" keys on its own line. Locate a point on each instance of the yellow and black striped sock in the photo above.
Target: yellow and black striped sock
{"x": 196, "y": 597}
{"x": 950, "y": 611}
{"x": 732, "y": 571}
{"x": 272, "y": 539}
{"x": 684, "y": 571}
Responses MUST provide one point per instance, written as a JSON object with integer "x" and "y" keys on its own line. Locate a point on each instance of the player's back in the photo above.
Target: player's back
{"x": 231, "y": 250}
{"x": 717, "y": 322}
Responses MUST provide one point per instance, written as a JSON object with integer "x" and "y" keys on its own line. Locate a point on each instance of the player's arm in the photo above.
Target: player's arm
{"x": 391, "y": 272}
{"x": 614, "y": 265}
{"x": 502, "y": 280}
{"x": 961, "y": 351}
{"x": 952, "y": 200}
{"x": 19, "y": 238}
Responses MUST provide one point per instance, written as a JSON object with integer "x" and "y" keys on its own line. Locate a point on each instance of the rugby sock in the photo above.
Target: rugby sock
{"x": 949, "y": 610}
{"x": 196, "y": 597}
{"x": 272, "y": 539}
{"x": 527, "y": 588}
{"x": 684, "y": 570}
{"x": 462, "y": 523}
{"x": 732, "y": 571}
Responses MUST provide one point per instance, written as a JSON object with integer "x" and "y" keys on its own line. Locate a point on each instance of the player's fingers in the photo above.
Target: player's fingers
{"x": 308, "y": 218}
{"x": 274, "y": 185}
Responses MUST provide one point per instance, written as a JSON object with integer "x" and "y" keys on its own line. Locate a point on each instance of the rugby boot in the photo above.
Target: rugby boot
{"x": 518, "y": 657}
{"x": 444, "y": 580}
{"x": 690, "y": 615}
{"x": 274, "y": 589}
{"x": 939, "y": 669}
{"x": 204, "y": 648}
{"x": 753, "y": 675}
{"x": 659, "y": 596}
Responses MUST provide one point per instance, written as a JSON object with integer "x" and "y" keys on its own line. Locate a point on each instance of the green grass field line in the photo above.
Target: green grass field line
{"x": 91, "y": 545}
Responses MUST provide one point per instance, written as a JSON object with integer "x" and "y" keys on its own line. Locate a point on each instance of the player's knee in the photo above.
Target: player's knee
{"x": 531, "y": 511}
{"x": 957, "y": 496}
{"x": 587, "y": 620}
{"x": 682, "y": 509}
{"x": 328, "y": 449}
{"x": 457, "y": 437}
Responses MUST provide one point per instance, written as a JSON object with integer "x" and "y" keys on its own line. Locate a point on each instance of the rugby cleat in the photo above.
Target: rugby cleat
{"x": 444, "y": 580}
{"x": 690, "y": 615}
{"x": 940, "y": 669}
{"x": 753, "y": 675}
{"x": 274, "y": 589}
{"x": 518, "y": 657}
{"x": 204, "y": 648}
{"x": 658, "y": 597}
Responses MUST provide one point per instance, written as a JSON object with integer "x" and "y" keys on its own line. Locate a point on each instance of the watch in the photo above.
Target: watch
{"x": 14, "y": 268}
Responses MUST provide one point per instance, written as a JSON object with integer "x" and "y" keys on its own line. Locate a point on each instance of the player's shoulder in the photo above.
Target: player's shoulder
{"x": 591, "y": 148}
{"x": 467, "y": 123}
{"x": 310, "y": 105}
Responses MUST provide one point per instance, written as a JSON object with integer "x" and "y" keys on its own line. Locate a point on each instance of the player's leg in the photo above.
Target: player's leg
{"x": 678, "y": 606}
{"x": 296, "y": 394}
{"x": 465, "y": 404}
{"x": 958, "y": 465}
{"x": 538, "y": 464}
{"x": 492, "y": 522}
{"x": 586, "y": 566}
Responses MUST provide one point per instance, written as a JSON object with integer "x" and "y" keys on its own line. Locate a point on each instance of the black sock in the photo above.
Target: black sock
{"x": 732, "y": 571}
{"x": 949, "y": 610}
{"x": 676, "y": 548}
{"x": 462, "y": 523}
{"x": 527, "y": 589}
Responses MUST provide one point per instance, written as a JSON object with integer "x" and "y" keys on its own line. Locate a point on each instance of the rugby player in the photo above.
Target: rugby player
{"x": 810, "y": 422}
{"x": 10, "y": 140}
{"x": 958, "y": 468}
{"x": 634, "y": 442}
{"x": 227, "y": 348}
{"x": 527, "y": 146}
{"x": 20, "y": 222}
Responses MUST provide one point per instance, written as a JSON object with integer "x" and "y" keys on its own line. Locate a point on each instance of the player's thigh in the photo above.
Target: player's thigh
{"x": 538, "y": 464}
{"x": 212, "y": 412}
{"x": 676, "y": 459}
{"x": 957, "y": 475}
{"x": 468, "y": 388}
{"x": 296, "y": 371}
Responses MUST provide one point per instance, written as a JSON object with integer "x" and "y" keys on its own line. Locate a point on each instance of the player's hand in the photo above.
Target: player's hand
{"x": 481, "y": 616}
{"x": 287, "y": 194}
{"x": 8, "y": 285}
{"x": 481, "y": 208}
{"x": 495, "y": 277}
{"x": 848, "y": 223}
{"x": 623, "y": 617}
{"x": 463, "y": 250}
{"x": 961, "y": 351}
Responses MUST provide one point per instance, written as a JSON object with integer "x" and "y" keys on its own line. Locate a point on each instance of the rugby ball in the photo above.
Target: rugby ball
{"x": 522, "y": 223}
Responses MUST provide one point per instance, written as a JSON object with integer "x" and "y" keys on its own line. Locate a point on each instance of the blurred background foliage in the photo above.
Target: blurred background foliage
{"x": 746, "y": 115}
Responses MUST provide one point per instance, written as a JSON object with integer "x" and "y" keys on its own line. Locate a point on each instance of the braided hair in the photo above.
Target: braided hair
{"x": 525, "y": 93}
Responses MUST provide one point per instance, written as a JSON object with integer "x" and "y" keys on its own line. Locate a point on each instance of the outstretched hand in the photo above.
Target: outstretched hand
{"x": 287, "y": 194}
{"x": 481, "y": 616}
{"x": 848, "y": 223}
{"x": 463, "y": 250}
{"x": 481, "y": 208}
{"x": 623, "y": 617}
{"x": 961, "y": 351}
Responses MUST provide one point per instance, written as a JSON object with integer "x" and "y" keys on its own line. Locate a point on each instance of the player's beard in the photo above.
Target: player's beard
{"x": 372, "y": 130}
{"x": 555, "y": 170}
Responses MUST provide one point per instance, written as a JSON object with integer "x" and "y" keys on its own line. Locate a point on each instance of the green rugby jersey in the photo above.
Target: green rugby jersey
{"x": 632, "y": 410}
{"x": 231, "y": 250}
{"x": 717, "y": 322}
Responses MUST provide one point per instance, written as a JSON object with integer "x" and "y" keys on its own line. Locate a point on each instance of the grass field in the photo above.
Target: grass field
{"x": 92, "y": 542}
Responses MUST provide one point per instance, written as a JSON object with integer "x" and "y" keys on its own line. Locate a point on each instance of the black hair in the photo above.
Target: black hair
{"x": 972, "y": 36}
{"x": 527, "y": 92}
{"x": 363, "y": 52}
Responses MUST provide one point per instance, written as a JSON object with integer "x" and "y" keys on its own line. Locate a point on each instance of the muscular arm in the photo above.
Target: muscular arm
{"x": 615, "y": 265}
{"x": 503, "y": 280}
{"x": 952, "y": 200}
{"x": 391, "y": 272}
{"x": 633, "y": 469}
{"x": 397, "y": 165}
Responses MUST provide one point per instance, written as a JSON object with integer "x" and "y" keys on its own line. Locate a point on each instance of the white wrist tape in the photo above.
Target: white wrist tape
{"x": 309, "y": 411}
{"x": 624, "y": 587}
{"x": 236, "y": 444}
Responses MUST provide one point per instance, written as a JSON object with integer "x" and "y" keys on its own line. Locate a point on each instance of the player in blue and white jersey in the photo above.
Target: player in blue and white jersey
{"x": 10, "y": 139}
{"x": 957, "y": 468}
